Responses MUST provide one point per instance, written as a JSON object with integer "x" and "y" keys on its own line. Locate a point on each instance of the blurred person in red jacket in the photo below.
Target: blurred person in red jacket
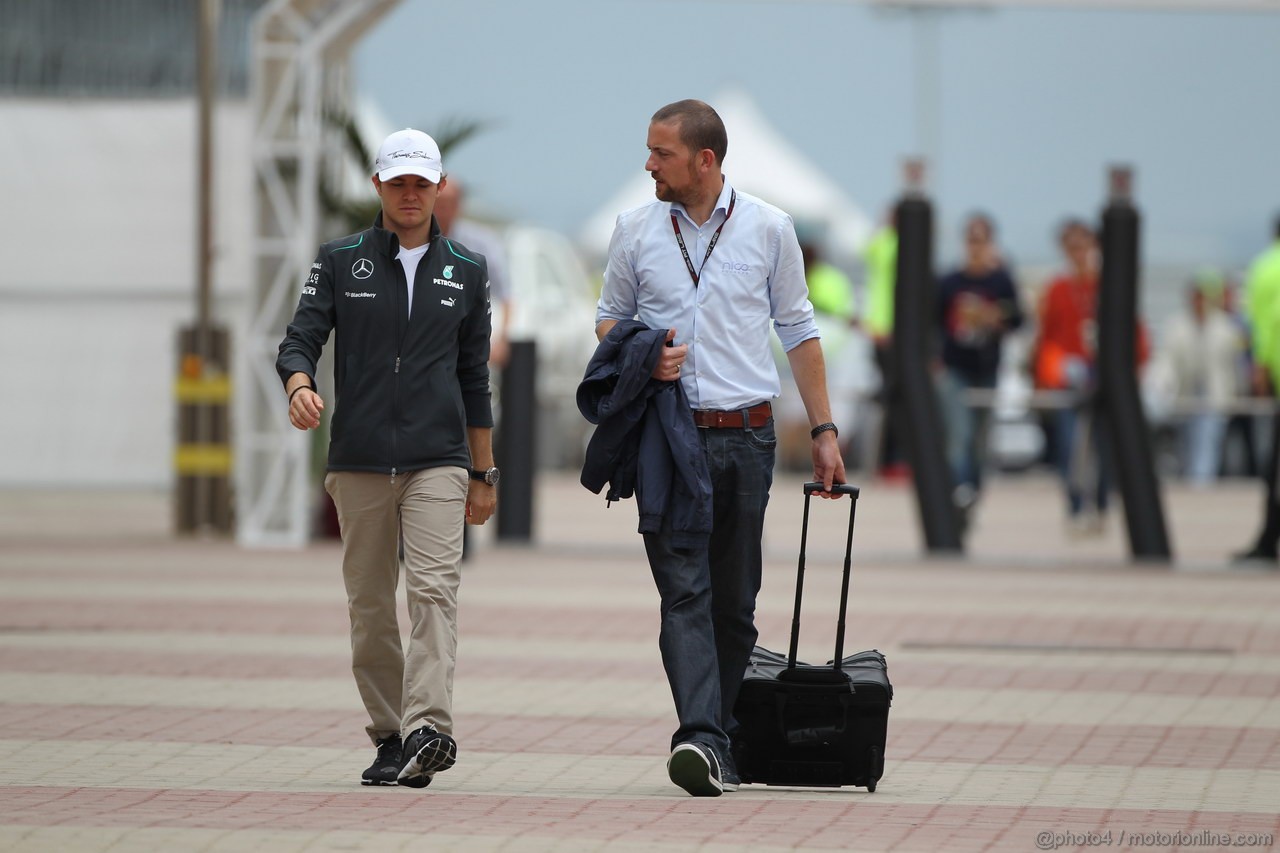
{"x": 1066, "y": 360}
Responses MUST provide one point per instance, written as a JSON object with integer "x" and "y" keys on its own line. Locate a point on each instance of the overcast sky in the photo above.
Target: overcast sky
{"x": 1030, "y": 105}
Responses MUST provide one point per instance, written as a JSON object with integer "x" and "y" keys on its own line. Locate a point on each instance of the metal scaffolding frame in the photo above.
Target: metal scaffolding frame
{"x": 298, "y": 68}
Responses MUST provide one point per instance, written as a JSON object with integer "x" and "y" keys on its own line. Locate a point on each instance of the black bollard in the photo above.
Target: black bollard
{"x": 914, "y": 344}
{"x": 515, "y": 453}
{"x": 1119, "y": 404}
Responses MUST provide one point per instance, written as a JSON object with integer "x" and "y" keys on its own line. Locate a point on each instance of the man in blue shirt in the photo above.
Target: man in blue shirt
{"x": 715, "y": 267}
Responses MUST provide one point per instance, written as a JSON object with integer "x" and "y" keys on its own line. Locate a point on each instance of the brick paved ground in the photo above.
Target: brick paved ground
{"x": 165, "y": 695}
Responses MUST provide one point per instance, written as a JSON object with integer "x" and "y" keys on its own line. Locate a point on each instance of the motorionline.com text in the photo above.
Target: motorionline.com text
{"x": 1053, "y": 840}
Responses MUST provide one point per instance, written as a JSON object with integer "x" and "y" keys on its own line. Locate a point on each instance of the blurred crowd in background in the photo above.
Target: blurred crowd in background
{"x": 1014, "y": 364}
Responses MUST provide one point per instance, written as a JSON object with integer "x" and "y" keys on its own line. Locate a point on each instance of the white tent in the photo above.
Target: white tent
{"x": 760, "y": 162}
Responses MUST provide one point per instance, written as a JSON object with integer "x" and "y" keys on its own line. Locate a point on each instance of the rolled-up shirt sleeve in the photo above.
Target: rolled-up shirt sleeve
{"x": 618, "y": 295}
{"x": 789, "y": 303}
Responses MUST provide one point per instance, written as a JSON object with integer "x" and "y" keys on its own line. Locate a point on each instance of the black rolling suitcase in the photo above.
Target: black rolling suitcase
{"x": 799, "y": 724}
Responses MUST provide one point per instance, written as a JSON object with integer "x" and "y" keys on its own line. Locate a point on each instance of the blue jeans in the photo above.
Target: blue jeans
{"x": 966, "y": 426}
{"x": 708, "y": 594}
{"x": 1082, "y": 458}
{"x": 1202, "y": 435}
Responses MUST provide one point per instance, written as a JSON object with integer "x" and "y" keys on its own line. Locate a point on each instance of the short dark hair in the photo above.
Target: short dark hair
{"x": 700, "y": 126}
{"x": 979, "y": 217}
{"x": 1074, "y": 224}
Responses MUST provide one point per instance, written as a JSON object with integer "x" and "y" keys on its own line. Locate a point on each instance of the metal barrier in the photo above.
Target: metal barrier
{"x": 1044, "y": 400}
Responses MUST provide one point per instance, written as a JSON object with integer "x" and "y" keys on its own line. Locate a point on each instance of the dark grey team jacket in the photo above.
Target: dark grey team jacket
{"x": 645, "y": 439}
{"x": 408, "y": 386}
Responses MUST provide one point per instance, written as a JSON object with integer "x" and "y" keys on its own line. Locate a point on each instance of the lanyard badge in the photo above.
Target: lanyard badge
{"x": 675, "y": 226}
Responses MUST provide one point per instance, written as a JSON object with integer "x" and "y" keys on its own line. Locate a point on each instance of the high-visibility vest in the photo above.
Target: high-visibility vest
{"x": 881, "y": 260}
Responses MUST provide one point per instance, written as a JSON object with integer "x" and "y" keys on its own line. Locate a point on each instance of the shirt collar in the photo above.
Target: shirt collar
{"x": 722, "y": 203}
{"x": 391, "y": 243}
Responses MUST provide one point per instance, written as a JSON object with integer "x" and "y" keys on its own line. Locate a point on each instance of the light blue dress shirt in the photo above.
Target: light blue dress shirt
{"x": 755, "y": 274}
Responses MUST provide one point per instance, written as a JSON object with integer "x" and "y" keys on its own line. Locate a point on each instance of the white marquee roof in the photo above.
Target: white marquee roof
{"x": 763, "y": 163}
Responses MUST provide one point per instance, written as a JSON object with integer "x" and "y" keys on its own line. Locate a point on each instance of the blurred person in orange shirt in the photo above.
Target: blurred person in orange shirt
{"x": 1066, "y": 360}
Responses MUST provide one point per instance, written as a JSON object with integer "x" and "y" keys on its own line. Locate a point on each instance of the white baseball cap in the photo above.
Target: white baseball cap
{"x": 409, "y": 152}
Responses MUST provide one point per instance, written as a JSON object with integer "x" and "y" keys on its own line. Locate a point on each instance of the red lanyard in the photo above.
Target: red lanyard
{"x": 675, "y": 226}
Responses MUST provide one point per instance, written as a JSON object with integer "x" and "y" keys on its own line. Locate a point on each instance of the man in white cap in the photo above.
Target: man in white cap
{"x": 410, "y": 451}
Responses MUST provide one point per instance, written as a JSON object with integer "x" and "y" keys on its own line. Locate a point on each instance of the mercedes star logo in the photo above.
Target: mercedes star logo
{"x": 362, "y": 268}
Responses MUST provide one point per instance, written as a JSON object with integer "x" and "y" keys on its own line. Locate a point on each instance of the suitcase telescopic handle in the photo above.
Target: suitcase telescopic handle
{"x": 810, "y": 489}
{"x": 837, "y": 488}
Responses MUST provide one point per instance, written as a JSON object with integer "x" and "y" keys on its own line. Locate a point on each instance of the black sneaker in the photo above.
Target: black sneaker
{"x": 386, "y": 766}
{"x": 694, "y": 767}
{"x": 729, "y": 779}
{"x": 426, "y": 752}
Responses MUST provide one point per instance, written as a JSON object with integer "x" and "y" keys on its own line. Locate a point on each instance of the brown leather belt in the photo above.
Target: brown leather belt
{"x": 754, "y": 417}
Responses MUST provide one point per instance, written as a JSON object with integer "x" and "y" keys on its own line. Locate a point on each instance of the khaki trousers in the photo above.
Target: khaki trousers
{"x": 402, "y": 689}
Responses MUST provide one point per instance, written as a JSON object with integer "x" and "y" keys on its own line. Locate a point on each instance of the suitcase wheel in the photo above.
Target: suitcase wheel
{"x": 871, "y": 787}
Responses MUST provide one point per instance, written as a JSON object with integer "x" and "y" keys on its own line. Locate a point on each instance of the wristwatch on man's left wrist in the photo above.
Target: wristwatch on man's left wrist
{"x": 488, "y": 475}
